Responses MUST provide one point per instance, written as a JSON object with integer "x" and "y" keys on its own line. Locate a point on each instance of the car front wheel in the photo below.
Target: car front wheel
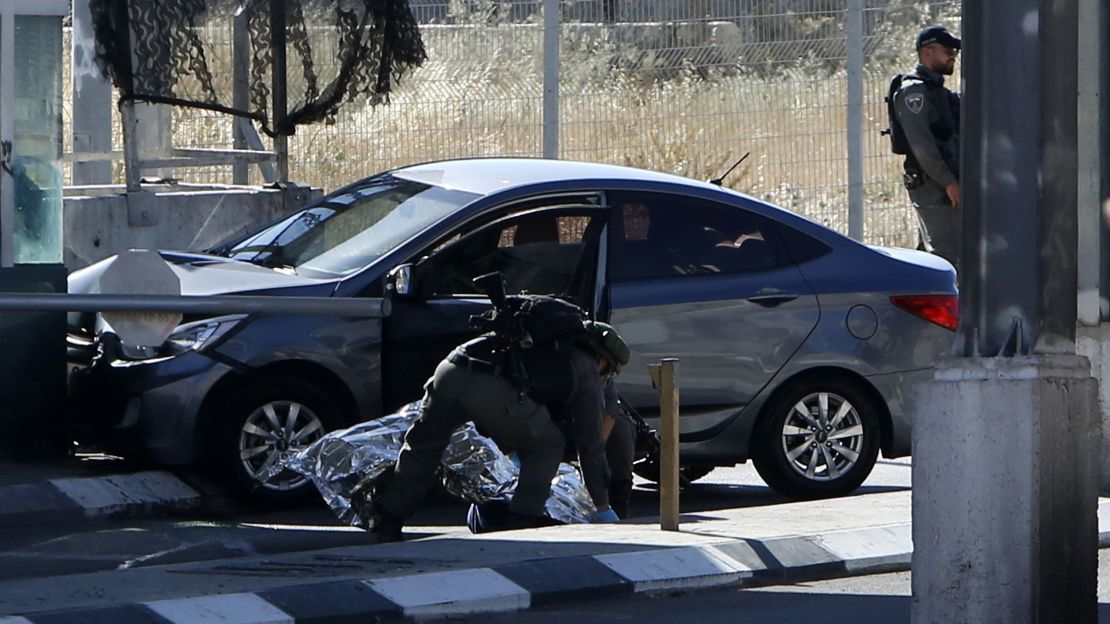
{"x": 820, "y": 438}
{"x": 265, "y": 423}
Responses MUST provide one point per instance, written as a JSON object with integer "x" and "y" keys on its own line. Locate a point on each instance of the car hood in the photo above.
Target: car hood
{"x": 202, "y": 274}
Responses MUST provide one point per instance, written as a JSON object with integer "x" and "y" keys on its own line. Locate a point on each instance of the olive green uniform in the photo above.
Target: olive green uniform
{"x": 469, "y": 385}
{"x": 929, "y": 116}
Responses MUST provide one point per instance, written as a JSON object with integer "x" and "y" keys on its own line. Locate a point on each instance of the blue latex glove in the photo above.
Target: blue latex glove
{"x": 606, "y": 517}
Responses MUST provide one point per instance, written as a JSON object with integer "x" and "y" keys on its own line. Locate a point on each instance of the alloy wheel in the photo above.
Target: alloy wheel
{"x": 822, "y": 436}
{"x": 276, "y": 431}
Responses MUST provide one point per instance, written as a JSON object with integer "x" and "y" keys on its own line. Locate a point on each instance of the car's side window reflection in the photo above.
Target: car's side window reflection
{"x": 536, "y": 254}
{"x": 663, "y": 236}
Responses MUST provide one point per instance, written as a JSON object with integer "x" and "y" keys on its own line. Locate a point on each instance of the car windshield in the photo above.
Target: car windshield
{"x": 350, "y": 230}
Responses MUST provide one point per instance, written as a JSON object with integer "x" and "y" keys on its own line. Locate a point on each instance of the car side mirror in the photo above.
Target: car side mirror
{"x": 400, "y": 280}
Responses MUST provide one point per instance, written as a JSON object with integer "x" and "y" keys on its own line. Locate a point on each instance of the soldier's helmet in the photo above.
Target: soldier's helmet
{"x": 604, "y": 340}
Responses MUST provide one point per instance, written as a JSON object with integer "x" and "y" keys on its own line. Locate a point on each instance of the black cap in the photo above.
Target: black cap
{"x": 937, "y": 34}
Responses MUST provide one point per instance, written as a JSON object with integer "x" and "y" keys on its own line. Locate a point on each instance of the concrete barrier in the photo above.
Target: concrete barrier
{"x": 101, "y": 221}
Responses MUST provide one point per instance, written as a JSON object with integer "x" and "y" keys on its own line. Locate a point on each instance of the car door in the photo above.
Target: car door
{"x": 551, "y": 250}
{"x": 711, "y": 284}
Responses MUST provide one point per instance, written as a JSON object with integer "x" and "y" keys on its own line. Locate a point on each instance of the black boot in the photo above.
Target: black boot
{"x": 620, "y": 494}
{"x": 385, "y": 528}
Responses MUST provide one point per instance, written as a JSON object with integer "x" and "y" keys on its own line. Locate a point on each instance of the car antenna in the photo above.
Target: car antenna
{"x": 718, "y": 181}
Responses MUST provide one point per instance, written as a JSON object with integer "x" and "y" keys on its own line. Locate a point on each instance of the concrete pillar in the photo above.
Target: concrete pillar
{"x": 1094, "y": 344}
{"x": 92, "y": 101}
{"x": 1005, "y": 521}
{"x": 1005, "y": 488}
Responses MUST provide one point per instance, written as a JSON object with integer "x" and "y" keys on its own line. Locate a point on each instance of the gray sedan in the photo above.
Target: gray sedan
{"x": 796, "y": 344}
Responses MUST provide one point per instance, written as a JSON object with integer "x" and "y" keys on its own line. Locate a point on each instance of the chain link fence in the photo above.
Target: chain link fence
{"x": 684, "y": 87}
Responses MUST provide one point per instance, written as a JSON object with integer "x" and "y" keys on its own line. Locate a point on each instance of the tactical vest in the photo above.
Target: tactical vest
{"x": 943, "y": 129}
{"x": 550, "y": 376}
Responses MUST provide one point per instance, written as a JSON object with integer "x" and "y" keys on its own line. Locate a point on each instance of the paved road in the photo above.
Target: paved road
{"x": 881, "y": 598}
{"x": 230, "y": 530}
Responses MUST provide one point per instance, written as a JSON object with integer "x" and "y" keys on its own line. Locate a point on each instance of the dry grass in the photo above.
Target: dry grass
{"x": 481, "y": 94}
{"x": 794, "y": 129}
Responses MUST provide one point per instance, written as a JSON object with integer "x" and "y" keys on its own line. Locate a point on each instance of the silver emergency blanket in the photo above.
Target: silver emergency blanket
{"x": 570, "y": 501}
{"x": 340, "y": 460}
{"x": 474, "y": 468}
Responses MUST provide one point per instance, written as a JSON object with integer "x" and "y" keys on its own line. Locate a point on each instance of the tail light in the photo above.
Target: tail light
{"x": 944, "y": 310}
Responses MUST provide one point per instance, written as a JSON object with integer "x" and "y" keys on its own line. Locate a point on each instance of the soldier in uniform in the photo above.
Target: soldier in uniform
{"x": 929, "y": 116}
{"x": 471, "y": 385}
{"x": 620, "y": 449}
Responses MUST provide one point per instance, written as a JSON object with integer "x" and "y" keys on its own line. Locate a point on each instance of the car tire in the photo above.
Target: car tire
{"x": 818, "y": 439}
{"x": 648, "y": 468}
{"x": 254, "y": 430}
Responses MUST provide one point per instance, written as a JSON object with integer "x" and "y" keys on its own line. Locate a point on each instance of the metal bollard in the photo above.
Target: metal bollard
{"x": 665, "y": 377}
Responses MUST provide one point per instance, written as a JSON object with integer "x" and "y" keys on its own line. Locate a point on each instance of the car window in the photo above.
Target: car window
{"x": 802, "y": 247}
{"x": 537, "y": 253}
{"x": 662, "y": 236}
{"x": 347, "y": 231}
{"x": 525, "y": 205}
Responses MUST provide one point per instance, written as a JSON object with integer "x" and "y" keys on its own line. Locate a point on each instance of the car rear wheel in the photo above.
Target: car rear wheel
{"x": 820, "y": 438}
{"x": 265, "y": 423}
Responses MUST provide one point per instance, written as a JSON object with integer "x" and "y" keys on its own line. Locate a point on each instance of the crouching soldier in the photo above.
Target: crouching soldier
{"x": 476, "y": 383}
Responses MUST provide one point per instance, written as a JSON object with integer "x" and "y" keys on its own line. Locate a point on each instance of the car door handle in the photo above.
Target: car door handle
{"x": 772, "y": 299}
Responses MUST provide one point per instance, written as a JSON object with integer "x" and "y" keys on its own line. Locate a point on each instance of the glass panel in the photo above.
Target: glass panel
{"x": 537, "y": 254}
{"x": 664, "y": 236}
{"x": 37, "y": 120}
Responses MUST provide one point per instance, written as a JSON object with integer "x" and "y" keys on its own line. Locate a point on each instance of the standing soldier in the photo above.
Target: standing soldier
{"x": 925, "y": 127}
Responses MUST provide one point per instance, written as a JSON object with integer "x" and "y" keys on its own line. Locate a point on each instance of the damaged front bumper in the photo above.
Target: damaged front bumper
{"x": 139, "y": 408}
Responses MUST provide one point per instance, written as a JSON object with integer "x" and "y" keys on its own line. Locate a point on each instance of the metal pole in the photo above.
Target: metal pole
{"x": 132, "y": 168}
{"x": 1028, "y": 304}
{"x": 551, "y": 24}
{"x": 279, "y": 102}
{"x": 1104, "y": 149}
{"x": 131, "y": 163}
{"x": 1090, "y": 164}
{"x": 668, "y": 454}
{"x": 92, "y": 101}
{"x": 853, "y": 29}
{"x": 240, "y": 90}
{"x": 216, "y": 304}
{"x": 7, "y": 136}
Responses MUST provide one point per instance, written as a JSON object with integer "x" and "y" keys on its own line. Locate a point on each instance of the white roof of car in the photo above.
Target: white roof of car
{"x": 489, "y": 175}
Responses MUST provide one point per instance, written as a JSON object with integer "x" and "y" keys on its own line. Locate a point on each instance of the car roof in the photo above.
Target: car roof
{"x": 486, "y": 176}
{"x": 491, "y": 175}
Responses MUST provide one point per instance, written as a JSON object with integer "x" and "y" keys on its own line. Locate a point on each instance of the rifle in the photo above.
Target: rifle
{"x": 506, "y": 324}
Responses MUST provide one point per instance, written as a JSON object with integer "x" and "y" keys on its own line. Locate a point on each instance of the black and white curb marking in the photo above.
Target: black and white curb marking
{"x": 63, "y": 500}
{"x": 521, "y": 585}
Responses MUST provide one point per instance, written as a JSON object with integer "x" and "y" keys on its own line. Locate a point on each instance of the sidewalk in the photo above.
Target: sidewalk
{"x": 65, "y": 491}
{"x": 442, "y": 575}
{"x": 450, "y": 575}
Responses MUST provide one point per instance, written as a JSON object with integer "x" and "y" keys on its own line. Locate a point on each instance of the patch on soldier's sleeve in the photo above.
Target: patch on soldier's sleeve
{"x": 915, "y": 102}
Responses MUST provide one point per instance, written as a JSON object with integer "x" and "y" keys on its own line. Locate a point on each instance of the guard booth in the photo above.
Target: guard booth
{"x": 32, "y": 344}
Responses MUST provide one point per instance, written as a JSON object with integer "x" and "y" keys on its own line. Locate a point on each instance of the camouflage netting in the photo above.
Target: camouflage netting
{"x": 357, "y": 51}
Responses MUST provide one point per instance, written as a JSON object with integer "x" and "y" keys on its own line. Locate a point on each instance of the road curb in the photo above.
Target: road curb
{"x": 58, "y": 501}
{"x": 513, "y": 586}
{"x": 522, "y": 585}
